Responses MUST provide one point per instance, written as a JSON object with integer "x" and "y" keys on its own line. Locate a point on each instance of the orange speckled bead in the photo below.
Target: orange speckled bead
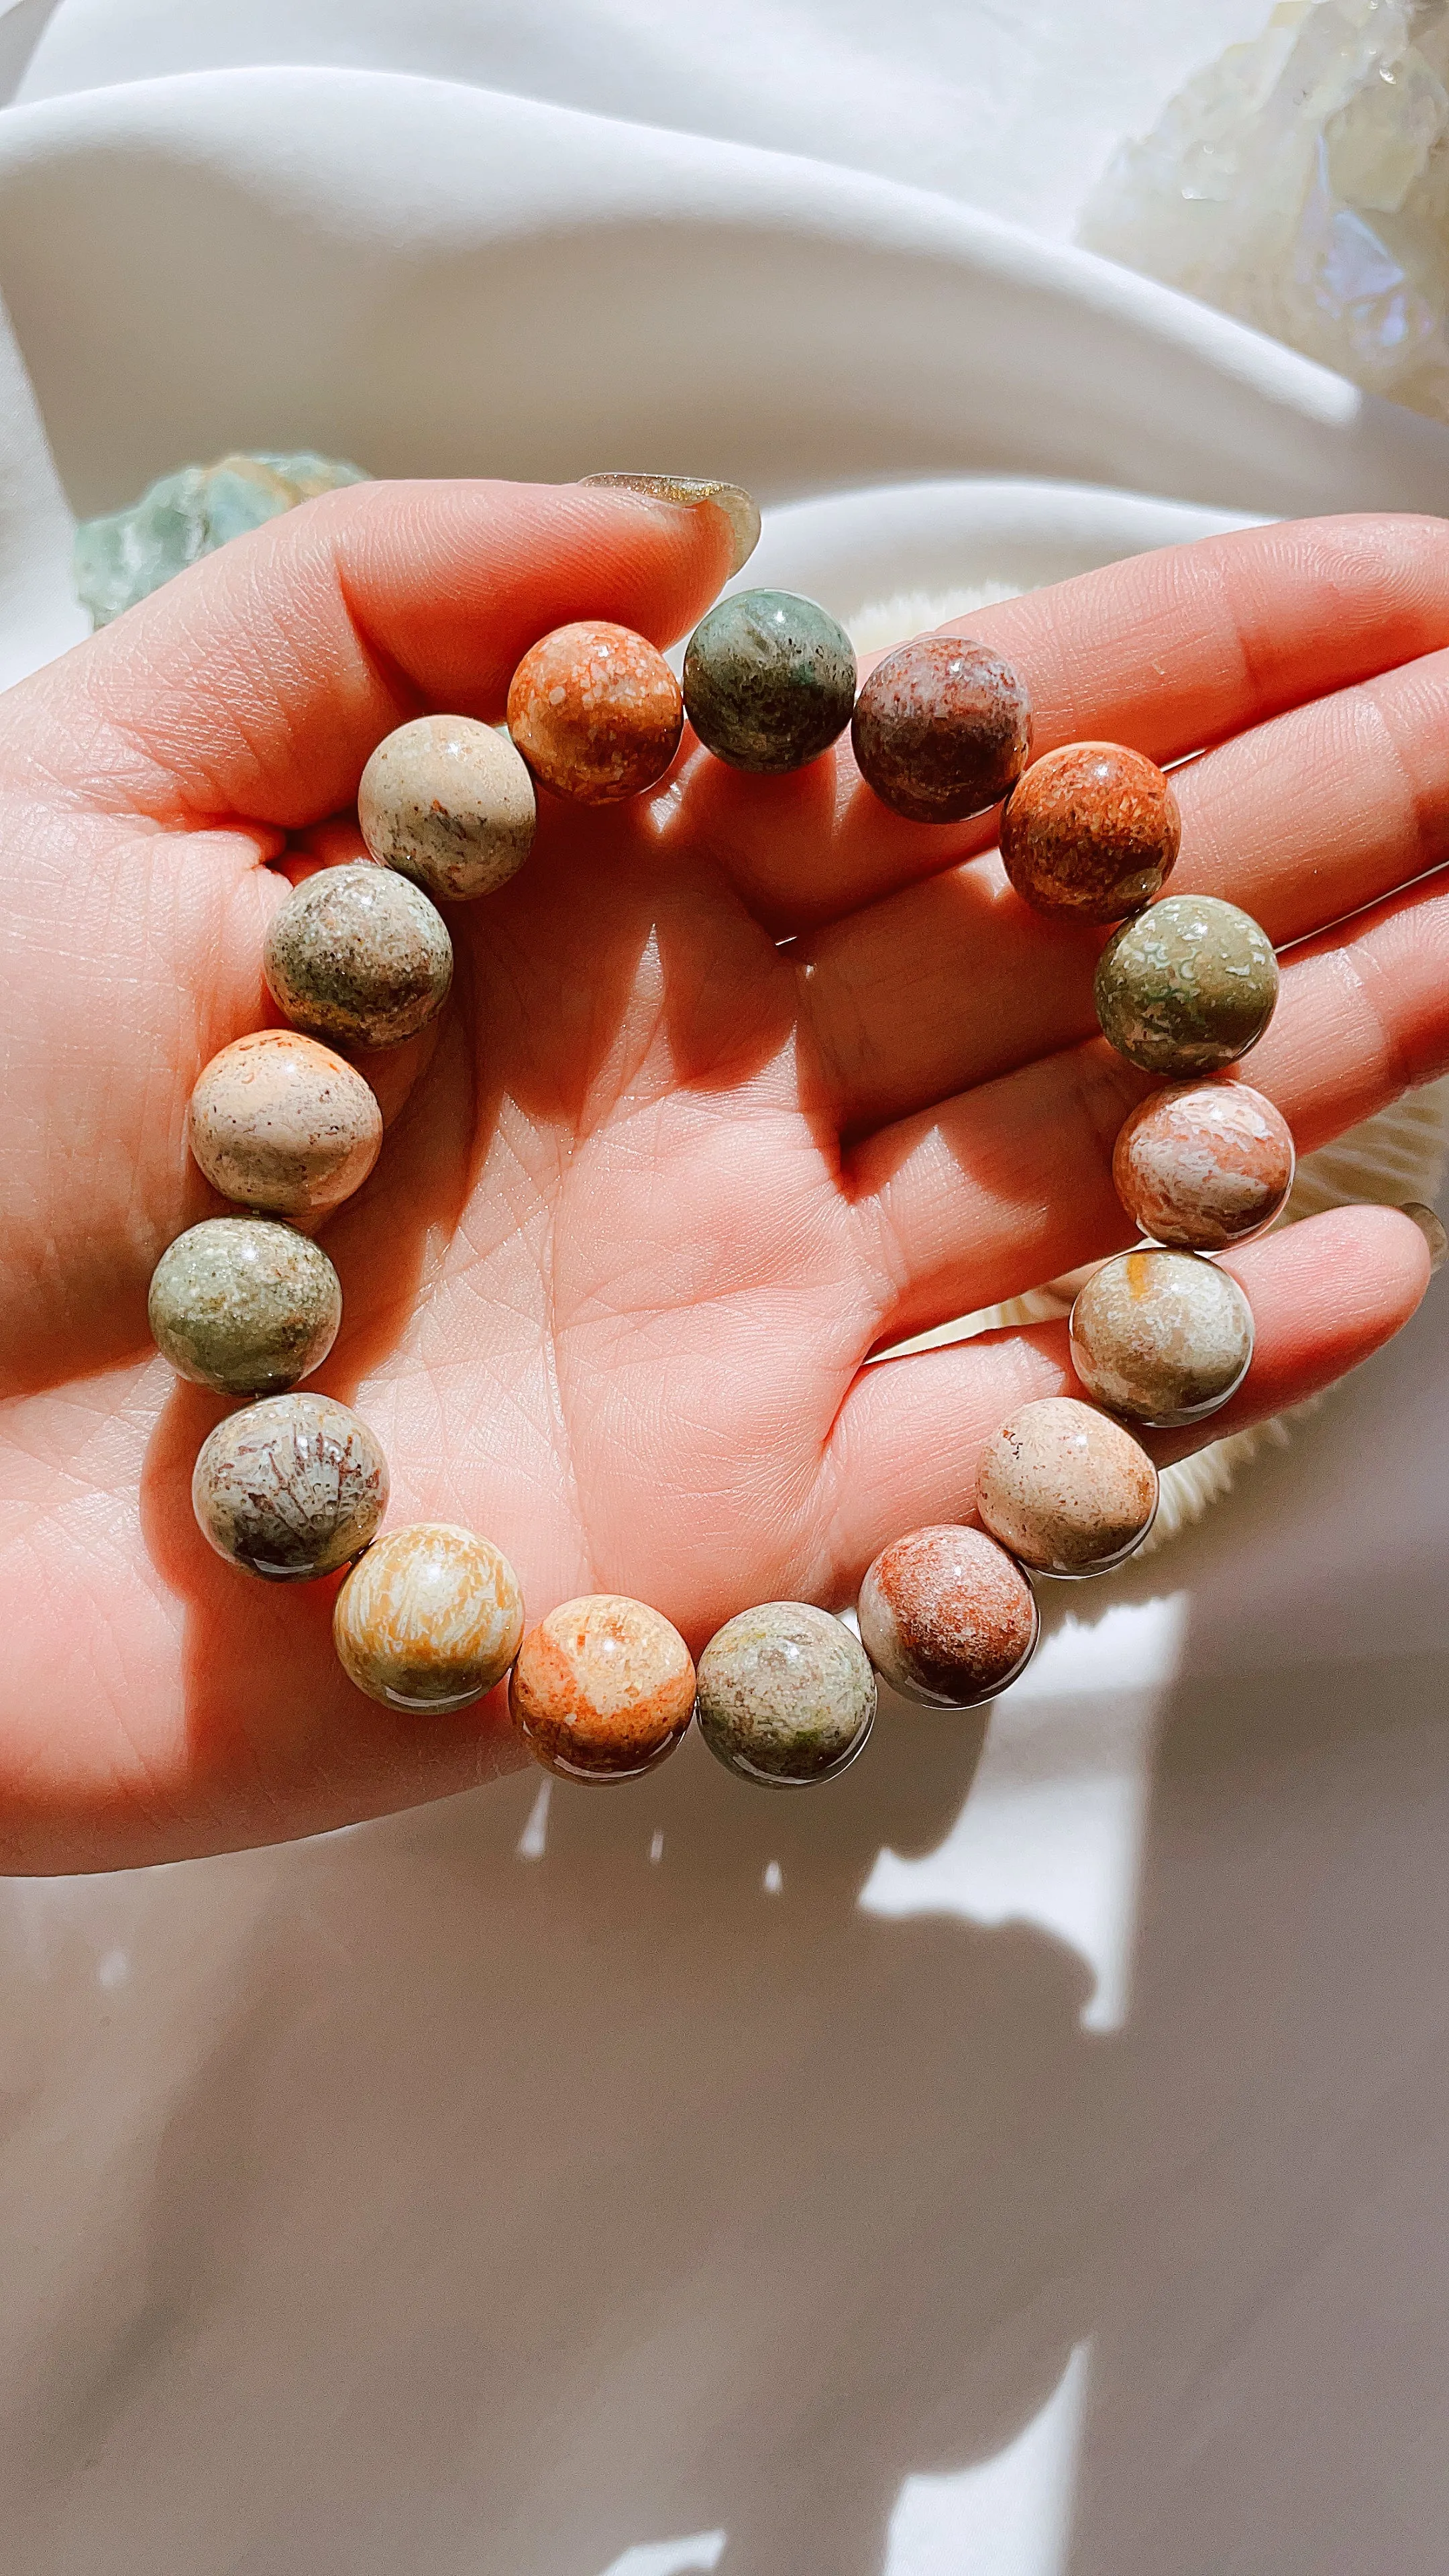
{"x": 603, "y": 1688}
{"x": 596, "y": 712}
{"x": 1091, "y": 832}
{"x": 429, "y": 1619}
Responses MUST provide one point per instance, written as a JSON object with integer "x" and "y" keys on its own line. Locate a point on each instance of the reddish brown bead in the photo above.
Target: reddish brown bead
{"x": 603, "y": 1688}
{"x": 596, "y": 712}
{"x": 1092, "y": 832}
{"x": 947, "y": 1617}
{"x": 1204, "y": 1165}
{"x": 942, "y": 729}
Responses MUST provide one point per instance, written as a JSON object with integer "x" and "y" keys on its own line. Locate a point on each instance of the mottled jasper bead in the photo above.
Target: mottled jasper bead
{"x": 291, "y": 1488}
{"x": 429, "y": 1619}
{"x": 1186, "y": 987}
{"x": 947, "y": 1617}
{"x": 448, "y": 802}
{"x": 1205, "y": 1165}
{"x": 1066, "y": 1489}
{"x": 279, "y": 1122}
{"x": 1162, "y": 1337}
{"x": 603, "y": 1688}
{"x": 769, "y": 680}
{"x": 358, "y": 953}
{"x": 942, "y": 729}
{"x": 786, "y": 1695}
{"x": 244, "y": 1305}
{"x": 1090, "y": 832}
{"x": 596, "y": 712}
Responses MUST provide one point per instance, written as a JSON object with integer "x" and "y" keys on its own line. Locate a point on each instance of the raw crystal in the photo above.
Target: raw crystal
{"x": 1302, "y": 183}
{"x": 186, "y": 515}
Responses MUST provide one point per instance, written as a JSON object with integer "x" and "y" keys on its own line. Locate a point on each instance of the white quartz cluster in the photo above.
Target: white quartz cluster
{"x": 1302, "y": 183}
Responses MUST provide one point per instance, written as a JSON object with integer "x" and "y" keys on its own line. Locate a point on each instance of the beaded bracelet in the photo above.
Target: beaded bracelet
{"x": 294, "y": 1486}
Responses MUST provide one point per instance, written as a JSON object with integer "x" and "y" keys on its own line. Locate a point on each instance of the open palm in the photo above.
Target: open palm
{"x": 737, "y": 1084}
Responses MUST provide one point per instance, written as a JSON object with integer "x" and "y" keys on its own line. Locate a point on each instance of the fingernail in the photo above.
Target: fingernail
{"x": 1430, "y": 1228}
{"x": 692, "y": 492}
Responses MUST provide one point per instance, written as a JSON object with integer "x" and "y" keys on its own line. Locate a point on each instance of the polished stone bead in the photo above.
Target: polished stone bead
{"x": 1205, "y": 1165}
{"x": 942, "y": 729}
{"x": 429, "y": 1619}
{"x": 947, "y": 1617}
{"x": 769, "y": 680}
{"x": 358, "y": 954}
{"x": 291, "y": 1488}
{"x": 596, "y": 712}
{"x": 603, "y": 1688}
{"x": 279, "y": 1122}
{"x": 448, "y": 802}
{"x": 1187, "y": 987}
{"x": 1065, "y": 1488}
{"x": 1091, "y": 832}
{"x": 244, "y": 1305}
{"x": 786, "y": 1695}
{"x": 1162, "y": 1337}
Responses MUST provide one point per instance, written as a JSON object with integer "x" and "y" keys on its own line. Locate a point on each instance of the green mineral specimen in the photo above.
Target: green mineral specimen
{"x": 118, "y": 560}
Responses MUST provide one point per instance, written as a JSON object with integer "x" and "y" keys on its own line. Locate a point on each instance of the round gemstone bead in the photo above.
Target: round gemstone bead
{"x": 1066, "y": 1489}
{"x": 947, "y": 1617}
{"x": 603, "y": 1688}
{"x": 429, "y": 1619}
{"x": 786, "y": 1695}
{"x": 279, "y": 1122}
{"x": 942, "y": 729}
{"x": 358, "y": 953}
{"x": 1187, "y": 987}
{"x": 291, "y": 1488}
{"x": 1091, "y": 832}
{"x": 1162, "y": 1337}
{"x": 596, "y": 712}
{"x": 244, "y": 1305}
{"x": 769, "y": 680}
{"x": 448, "y": 802}
{"x": 1204, "y": 1166}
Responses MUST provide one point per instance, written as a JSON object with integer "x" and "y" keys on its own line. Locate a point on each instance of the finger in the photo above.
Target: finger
{"x": 1168, "y": 651}
{"x": 257, "y": 683}
{"x": 1302, "y": 821}
{"x": 1325, "y": 1294}
{"x": 1011, "y": 1183}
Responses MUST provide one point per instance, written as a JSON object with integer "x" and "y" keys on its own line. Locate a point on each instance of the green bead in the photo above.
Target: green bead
{"x": 244, "y": 1305}
{"x": 786, "y": 1695}
{"x": 1186, "y": 986}
{"x": 769, "y": 680}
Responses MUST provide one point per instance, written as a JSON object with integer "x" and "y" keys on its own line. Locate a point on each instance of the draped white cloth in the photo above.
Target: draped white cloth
{"x": 1020, "y": 2166}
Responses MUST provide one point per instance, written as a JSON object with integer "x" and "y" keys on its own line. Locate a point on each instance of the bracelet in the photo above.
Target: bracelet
{"x": 294, "y": 1486}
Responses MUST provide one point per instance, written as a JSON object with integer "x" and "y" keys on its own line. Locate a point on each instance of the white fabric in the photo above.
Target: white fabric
{"x": 928, "y": 2177}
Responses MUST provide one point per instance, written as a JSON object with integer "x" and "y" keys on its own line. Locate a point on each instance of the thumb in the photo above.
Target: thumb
{"x": 256, "y": 684}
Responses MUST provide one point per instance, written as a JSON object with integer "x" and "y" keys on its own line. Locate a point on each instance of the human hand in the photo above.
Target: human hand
{"x": 656, "y": 1185}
